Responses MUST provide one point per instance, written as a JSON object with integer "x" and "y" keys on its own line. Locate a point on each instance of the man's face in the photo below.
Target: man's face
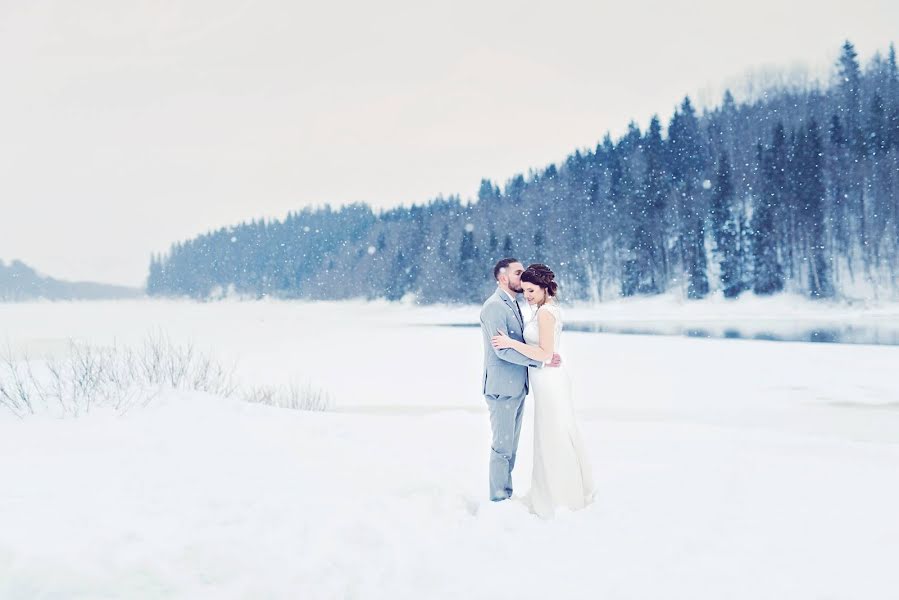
{"x": 513, "y": 273}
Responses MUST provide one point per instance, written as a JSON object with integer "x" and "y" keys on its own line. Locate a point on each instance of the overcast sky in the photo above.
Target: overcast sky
{"x": 127, "y": 125}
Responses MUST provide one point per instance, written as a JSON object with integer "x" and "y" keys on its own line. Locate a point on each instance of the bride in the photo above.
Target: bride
{"x": 561, "y": 475}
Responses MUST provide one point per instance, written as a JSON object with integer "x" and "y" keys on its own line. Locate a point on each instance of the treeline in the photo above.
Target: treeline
{"x": 20, "y": 283}
{"x": 796, "y": 190}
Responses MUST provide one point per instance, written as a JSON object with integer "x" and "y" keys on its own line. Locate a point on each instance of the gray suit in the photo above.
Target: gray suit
{"x": 505, "y": 386}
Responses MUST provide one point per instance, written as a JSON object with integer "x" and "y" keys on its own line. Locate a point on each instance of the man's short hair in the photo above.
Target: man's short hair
{"x": 502, "y": 265}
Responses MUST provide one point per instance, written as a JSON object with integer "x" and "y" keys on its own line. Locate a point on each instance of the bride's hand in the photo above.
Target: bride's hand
{"x": 502, "y": 341}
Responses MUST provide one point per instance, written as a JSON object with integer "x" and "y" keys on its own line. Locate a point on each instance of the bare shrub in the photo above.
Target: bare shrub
{"x": 117, "y": 377}
{"x": 121, "y": 377}
{"x": 294, "y": 396}
{"x": 16, "y": 390}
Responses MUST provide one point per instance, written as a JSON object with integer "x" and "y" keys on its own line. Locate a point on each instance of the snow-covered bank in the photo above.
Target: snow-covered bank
{"x": 737, "y": 469}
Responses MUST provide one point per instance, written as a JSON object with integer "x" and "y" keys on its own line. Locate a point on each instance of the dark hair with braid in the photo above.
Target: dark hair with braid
{"x": 543, "y": 276}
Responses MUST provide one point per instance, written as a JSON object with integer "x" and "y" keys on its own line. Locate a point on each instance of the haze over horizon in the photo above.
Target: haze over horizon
{"x": 127, "y": 128}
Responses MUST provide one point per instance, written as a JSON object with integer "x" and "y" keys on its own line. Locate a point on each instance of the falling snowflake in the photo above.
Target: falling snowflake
{"x": 706, "y": 184}
{"x": 469, "y": 227}
{"x": 371, "y": 249}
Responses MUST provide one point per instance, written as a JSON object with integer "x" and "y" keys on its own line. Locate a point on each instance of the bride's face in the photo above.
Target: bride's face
{"x": 534, "y": 294}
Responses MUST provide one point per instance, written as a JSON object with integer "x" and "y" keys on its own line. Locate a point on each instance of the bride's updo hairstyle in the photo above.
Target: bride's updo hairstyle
{"x": 543, "y": 276}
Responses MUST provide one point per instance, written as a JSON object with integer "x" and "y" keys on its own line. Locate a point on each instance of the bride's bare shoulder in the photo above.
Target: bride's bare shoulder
{"x": 548, "y": 311}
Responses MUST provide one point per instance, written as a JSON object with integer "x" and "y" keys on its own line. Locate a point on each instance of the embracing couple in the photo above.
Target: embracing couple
{"x": 523, "y": 355}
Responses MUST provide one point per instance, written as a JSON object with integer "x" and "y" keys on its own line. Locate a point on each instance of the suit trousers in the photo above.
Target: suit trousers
{"x": 506, "y": 414}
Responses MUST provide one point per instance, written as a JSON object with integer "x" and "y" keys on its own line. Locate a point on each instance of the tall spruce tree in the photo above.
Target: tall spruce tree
{"x": 726, "y": 231}
{"x": 768, "y": 274}
{"x": 686, "y": 157}
{"x": 812, "y": 190}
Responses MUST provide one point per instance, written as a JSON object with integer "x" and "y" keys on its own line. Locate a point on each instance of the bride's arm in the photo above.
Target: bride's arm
{"x": 546, "y": 323}
{"x": 493, "y": 320}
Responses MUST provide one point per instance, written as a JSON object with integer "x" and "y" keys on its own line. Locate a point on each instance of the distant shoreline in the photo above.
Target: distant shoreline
{"x": 20, "y": 283}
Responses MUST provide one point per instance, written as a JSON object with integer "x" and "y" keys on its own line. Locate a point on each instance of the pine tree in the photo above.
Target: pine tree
{"x": 838, "y": 160}
{"x": 624, "y": 210}
{"x": 725, "y": 227}
{"x": 469, "y": 268}
{"x": 686, "y": 157}
{"x": 655, "y": 190}
{"x": 768, "y": 275}
{"x": 850, "y": 97}
{"x": 812, "y": 205}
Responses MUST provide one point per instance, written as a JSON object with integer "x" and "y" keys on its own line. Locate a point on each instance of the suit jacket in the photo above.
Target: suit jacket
{"x": 505, "y": 370}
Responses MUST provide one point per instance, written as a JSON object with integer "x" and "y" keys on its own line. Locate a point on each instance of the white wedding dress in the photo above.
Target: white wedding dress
{"x": 562, "y": 476}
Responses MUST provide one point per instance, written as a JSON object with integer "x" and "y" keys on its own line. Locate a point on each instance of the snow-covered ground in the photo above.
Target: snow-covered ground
{"x": 725, "y": 468}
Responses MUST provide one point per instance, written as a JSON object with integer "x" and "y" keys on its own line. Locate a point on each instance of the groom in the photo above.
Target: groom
{"x": 505, "y": 374}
